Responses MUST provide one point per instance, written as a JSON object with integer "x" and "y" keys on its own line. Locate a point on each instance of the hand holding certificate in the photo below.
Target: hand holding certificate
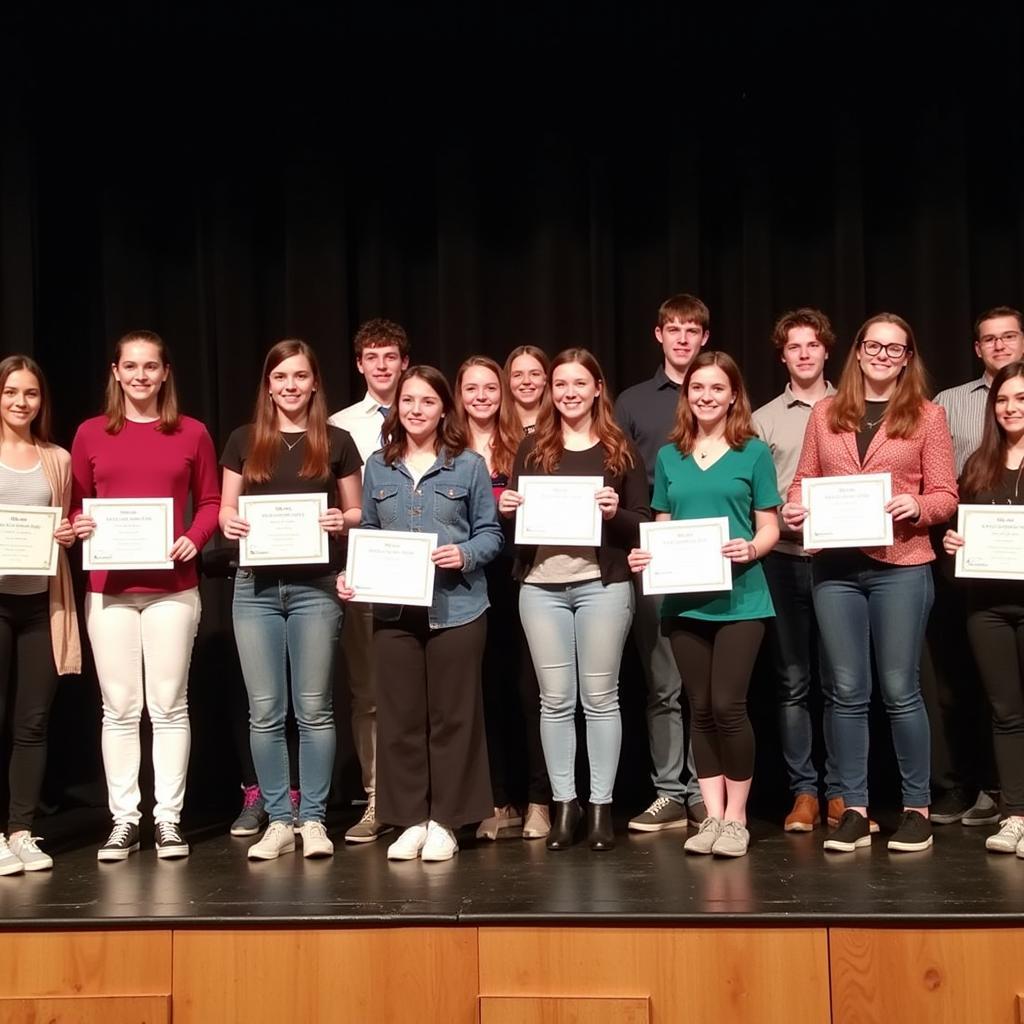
{"x": 391, "y": 567}
{"x": 284, "y": 529}
{"x": 686, "y": 556}
{"x": 847, "y": 511}
{"x": 991, "y": 542}
{"x": 28, "y": 546}
{"x": 562, "y": 511}
{"x": 130, "y": 533}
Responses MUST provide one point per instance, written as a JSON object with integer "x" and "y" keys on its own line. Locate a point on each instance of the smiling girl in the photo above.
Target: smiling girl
{"x": 526, "y": 370}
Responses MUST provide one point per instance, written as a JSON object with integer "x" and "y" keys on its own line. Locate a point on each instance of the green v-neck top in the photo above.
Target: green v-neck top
{"x": 738, "y": 483}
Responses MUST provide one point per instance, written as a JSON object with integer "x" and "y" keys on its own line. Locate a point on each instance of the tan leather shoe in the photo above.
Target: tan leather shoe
{"x": 538, "y": 822}
{"x": 805, "y": 814}
{"x": 836, "y": 809}
{"x": 503, "y": 818}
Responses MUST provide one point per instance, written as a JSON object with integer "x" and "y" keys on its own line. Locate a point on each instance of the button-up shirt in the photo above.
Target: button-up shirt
{"x": 647, "y": 413}
{"x": 363, "y": 421}
{"x": 965, "y": 413}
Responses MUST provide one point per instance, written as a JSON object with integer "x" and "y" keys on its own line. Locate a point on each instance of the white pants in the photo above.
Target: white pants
{"x": 357, "y": 648}
{"x": 142, "y": 645}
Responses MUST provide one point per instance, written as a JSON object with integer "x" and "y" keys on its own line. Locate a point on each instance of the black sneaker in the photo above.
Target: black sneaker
{"x": 169, "y": 843}
{"x": 984, "y": 811}
{"x": 853, "y": 831}
{"x": 696, "y": 812}
{"x": 914, "y": 833}
{"x": 950, "y": 807}
{"x": 662, "y": 814}
{"x": 122, "y": 842}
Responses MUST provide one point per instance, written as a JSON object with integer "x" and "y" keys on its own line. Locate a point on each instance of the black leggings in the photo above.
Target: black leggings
{"x": 715, "y": 660}
{"x": 997, "y": 639}
{"x": 27, "y": 666}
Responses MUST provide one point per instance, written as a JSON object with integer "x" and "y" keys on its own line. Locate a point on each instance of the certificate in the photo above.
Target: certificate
{"x": 847, "y": 511}
{"x": 686, "y": 556}
{"x": 131, "y": 533}
{"x": 993, "y": 542}
{"x": 284, "y": 529}
{"x": 559, "y": 510}
{"x": 27, "y": 544}
{"x": 391, "y": 567}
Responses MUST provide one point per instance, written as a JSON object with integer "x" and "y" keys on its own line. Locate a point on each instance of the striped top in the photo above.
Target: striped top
{"x": 24, "y": 487}
{"x": 965, "y": 413}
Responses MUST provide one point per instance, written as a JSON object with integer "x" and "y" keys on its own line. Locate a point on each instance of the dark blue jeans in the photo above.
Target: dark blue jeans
{"x": 864, "y": 606}
{"x": 796, "y": 641}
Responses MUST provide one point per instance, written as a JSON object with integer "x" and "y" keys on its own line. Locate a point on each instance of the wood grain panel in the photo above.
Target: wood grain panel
{"x": 552, "y": 1010}
{"x": 740, "y": 975}
{"x": 942, "y": 975}
{"x": 115, "y": 963}
{"x": 355, "y": 974}
{"x": 87, "y": 1010}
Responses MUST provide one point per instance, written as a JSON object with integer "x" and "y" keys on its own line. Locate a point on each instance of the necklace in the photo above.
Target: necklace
{"x": 291, "y": 447}
{"x": 874, "y": 423}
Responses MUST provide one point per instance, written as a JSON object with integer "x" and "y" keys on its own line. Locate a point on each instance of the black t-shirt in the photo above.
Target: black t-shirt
{"x": 870, "y": 424}
{"x": 343, "y": 459}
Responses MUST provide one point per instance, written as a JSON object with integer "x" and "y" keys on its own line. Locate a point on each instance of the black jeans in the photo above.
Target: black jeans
{"x": 27, "y": 667}
{"x": 996, "y": 632}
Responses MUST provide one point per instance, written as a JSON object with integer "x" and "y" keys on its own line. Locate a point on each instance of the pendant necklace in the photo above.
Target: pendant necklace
{"x": 291, "y": 447}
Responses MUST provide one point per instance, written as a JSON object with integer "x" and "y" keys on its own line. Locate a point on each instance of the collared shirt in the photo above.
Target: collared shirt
{"x": 781, "y": 423}
{"x": 965, "y": 413}
{"x": 647, "y": 413}
{"x": 363, "y": 421}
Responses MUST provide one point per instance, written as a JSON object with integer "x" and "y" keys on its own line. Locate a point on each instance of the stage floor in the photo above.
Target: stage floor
{"x": 646, "y": 879}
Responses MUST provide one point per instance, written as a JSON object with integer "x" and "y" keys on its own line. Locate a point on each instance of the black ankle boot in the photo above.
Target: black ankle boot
{"x": 564, "y": 825}
{"x": 600, "y": 834}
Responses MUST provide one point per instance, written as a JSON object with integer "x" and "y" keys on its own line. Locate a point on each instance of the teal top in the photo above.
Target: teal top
{"x": 734, "y": 486}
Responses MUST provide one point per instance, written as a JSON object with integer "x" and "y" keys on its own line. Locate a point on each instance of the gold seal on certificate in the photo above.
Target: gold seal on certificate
{"x": 27, "y": 544}
{"x": 131, "y": 533}
{"x": 391, "y": 567}
{"x": 686, "y": 556}
{"x": 993, "y": 542}
{"x": 284, "y": 529}
{"x": 847, "y": 511}
{"x": 560, "y": 511}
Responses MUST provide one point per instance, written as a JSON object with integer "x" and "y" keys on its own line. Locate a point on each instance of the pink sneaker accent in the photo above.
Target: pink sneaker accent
{"x": 252, "y": 794}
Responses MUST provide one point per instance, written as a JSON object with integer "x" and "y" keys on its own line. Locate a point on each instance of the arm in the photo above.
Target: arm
{"x": 205, "y": 501}
{"x": 350, "y": 492}
{"x": 485, "y": 537}
{"x": 793, "y": 512}
{"x": 231, "y": 525}
{"x": 634, "y": 505}
{"x": 939, "y": 496}
{"x": 82, "y": 486}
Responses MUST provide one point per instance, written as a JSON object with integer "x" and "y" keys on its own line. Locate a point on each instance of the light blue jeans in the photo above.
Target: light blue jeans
{"x": 576, "y": 632}
{"x": 289, "y": 629}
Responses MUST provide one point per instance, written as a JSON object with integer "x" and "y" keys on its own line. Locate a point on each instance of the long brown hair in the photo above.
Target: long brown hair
{"x": 508, "y": 431}
{"x": 984, "y": 469}
{"x": 739, "y": 427}
{"x": 450, "y": 434}
{"x": 549, "y": 446}
{"x": 265, "y": 447}
{"x": 525, "y": 350}
{"x": 166, "y": 399}
{"x": 904, "y": 410}
{"x": 39, "y": 428}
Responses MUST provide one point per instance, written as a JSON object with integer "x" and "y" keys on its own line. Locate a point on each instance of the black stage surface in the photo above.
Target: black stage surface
{"x": 786, "y": 879}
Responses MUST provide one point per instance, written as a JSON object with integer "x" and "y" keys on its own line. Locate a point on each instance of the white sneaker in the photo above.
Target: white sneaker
{"x": 440, "y": 844}
{"x": 23, "y": 846}
{"x": 279, "y": 838}
{"x": 408, "y": 845}
{"x": 10, "y": 863}
{"x": 1006, "y": 840}
{"x": 314, "y": 840}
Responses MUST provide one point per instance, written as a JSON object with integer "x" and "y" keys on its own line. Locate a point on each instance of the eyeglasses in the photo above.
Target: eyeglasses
{"x": 894, "y": 351}
{"x": 1009, "y": 338}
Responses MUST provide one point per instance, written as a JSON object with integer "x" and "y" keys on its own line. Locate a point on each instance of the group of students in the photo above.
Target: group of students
{"x": 464, "y": 711}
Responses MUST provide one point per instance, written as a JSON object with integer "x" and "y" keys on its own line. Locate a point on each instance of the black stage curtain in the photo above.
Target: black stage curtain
{"x": 490, "y": 175}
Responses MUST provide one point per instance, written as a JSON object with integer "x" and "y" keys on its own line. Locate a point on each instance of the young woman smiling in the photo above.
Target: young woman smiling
{"x": 526, "y": 371}
{"x": 142, "y": 623}
{"x": 38, "y": 625}
{"x": 715, "y": 465}
{"x": 287, "y": 617}
{"x": 511, "y": 696}
{"x": 576, "y": 604}
{"x": 878, "y": 599}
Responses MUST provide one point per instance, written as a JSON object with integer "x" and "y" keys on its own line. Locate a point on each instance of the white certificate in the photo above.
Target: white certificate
{"x": 27, "y": 544}
{"x": 993, "y": 542}
{"x": 559, "y": 510}
{"x": 131, "y": 533}
{"x": 686, "y": 556}
{"x": 284, "y": 529}
{"x": 847, "y": 511}
{"x": 391, "y": 567}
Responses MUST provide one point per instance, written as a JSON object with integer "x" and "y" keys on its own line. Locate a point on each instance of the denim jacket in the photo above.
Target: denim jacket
{"x": 452, "y": 499}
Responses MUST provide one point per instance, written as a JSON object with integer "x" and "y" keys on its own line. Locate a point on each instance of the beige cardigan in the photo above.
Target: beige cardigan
{"x": 67, "y": 647}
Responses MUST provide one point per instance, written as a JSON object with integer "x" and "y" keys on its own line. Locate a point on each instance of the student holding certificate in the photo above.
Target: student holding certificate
{"x": 526, "y": 371}
{"x": 716, "y": 466}
{"x": 38, "y": 625}
{"x": 432, "y": 774}
{"x": 511, "y": 697}
{"x": 286, "y": 616}
{"x": 878, "y": 598}
{"x": 576, "y": 602}
{"x": 142, "y": 622}
{"x": 995, "y": 617}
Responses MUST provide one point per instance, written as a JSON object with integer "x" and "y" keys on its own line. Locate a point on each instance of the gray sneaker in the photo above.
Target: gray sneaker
{"x": 23, "y": 846}
{"x": 661, "y": 815}
{"x": 706, "y": 837}
{"x": 10, "y": 863}
{"x": 1007, "y": 839}
{"x": 367, "y": 828}
{"x": 252, "y": 818}
{"x": 732, "y": 841}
